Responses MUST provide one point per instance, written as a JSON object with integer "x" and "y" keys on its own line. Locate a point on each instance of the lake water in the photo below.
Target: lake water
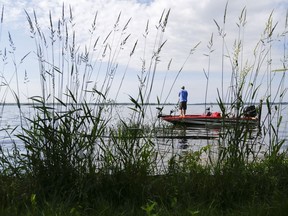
{"x": 190, "y": 139}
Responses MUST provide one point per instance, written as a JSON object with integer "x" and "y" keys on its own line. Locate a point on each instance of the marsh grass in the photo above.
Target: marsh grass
{"x": 76, "y": 163}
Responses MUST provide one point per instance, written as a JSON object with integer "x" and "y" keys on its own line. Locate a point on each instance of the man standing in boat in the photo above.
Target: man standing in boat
{"x": 183, "y": 95}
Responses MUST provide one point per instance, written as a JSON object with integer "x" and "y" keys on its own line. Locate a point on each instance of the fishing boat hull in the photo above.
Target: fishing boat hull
{"x": 208, "y": 121}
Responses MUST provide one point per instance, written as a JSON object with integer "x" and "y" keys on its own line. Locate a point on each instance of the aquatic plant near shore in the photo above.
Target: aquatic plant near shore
{"x": 236, "y": 142}
{"x": 73, "y": 157}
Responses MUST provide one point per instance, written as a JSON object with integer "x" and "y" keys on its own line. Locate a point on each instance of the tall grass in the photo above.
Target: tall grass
{"x": 77, "y": 162}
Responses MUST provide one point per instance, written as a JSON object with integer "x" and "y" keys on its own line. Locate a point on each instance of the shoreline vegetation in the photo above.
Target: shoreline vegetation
{"x": 74, "y": 163}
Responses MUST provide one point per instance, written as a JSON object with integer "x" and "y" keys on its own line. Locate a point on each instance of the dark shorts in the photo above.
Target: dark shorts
{"x": 183, "y": 105}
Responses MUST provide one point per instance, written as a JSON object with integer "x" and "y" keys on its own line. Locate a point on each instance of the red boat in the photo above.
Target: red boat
{"x": 213, "y": 119}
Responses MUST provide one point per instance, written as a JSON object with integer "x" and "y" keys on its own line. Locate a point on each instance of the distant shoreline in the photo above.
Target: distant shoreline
{"x": 126, "y": 103}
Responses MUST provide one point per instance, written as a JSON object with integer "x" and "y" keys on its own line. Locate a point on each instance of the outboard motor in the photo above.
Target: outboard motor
{"x": 250, "y": 111}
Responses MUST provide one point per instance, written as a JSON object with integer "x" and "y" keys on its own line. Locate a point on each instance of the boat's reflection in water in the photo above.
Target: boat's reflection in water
{"x": 205, "y": 143}
{"x": 196, "y": 137}
{"x": 185, "y": 137}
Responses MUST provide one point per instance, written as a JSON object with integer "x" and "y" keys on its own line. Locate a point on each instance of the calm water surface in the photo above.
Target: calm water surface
{"x": 183, "y": 140}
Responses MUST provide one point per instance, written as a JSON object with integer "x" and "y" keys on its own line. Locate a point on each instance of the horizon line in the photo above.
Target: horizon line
{"x": 130, "y": 103}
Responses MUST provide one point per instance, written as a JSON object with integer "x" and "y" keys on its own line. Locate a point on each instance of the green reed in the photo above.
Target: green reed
{"x": 245, "y": 86}
{"x": 64, "y": 143}
{"x": 76, "y": 163}
{"x": 241, "y": 148}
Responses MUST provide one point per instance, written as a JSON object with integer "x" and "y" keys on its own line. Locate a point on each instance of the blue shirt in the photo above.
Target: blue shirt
{"x": 183, "y": 94}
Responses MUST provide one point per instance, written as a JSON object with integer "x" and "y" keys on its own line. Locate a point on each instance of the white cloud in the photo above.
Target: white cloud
{"x": 190, "y": 22}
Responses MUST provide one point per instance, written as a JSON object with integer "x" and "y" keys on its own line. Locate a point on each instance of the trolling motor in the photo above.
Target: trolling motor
{"x": 161, "y": 108}
{"x": 159, "y": 111}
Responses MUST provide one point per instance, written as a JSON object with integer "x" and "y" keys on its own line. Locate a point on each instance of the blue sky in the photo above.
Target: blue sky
{"x": 190, "y": 22}
{"x": 145, "y": 1}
